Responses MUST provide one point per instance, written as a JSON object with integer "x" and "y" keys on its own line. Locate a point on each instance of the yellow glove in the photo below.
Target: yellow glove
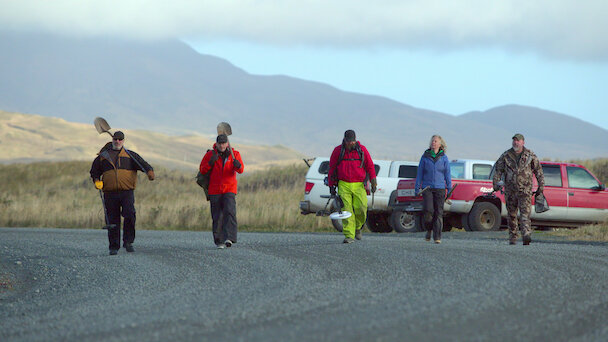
{"x": 98, "y": 185}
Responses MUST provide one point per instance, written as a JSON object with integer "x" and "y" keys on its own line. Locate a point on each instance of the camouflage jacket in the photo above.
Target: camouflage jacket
{"x": 518, "y": 176}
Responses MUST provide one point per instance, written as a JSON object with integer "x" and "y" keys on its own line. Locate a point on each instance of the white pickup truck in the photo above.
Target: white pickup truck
{"x": 388, "y": 174}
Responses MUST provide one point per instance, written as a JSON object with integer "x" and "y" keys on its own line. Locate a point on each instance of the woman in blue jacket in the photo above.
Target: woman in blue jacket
{"x": 434, "y": 172}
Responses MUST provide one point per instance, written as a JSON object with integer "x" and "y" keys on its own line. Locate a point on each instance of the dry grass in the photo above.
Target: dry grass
{"x": 61, "y": 194}
{"x": 594, "y": 232}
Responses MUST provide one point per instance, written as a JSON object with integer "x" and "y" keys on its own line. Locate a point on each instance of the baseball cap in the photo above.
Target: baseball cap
{"x": 118, "y": 135}
{"x": 222, "y": 138}
{"x": 518, "y": 136}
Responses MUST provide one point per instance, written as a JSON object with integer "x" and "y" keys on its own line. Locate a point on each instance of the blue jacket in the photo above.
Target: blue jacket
{"x": 433, "y": 172}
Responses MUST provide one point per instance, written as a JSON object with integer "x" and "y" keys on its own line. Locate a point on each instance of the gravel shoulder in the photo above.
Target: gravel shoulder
{"x": 61, "y": 284}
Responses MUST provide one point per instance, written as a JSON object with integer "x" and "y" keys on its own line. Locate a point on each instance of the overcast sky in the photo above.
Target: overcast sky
{"x": 444, "y": 55}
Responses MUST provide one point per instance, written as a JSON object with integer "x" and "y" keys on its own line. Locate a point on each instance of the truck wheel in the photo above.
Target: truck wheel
{"x": 403, "y": 222}
{"x": 484, "y": 217}
{"x": 464, "y": 218}
{"x": 337, "y": 225}
{"x": 378, "y": 223}
{"x": 447, "y": 225}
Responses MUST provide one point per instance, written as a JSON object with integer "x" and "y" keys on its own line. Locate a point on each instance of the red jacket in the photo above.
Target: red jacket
{"x": 350, "y": 170}
{"x": 223, "y": 176}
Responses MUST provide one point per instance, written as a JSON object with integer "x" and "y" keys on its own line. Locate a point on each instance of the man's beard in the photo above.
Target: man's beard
{"x": 115, "y": 147}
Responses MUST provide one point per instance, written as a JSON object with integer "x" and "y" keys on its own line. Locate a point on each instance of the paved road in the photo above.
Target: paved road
{"x": 58, "y": 284}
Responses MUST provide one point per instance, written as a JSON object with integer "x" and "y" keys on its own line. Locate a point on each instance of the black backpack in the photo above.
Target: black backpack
{"x": 341, "y": 158}
{"x": 203, "y": 179}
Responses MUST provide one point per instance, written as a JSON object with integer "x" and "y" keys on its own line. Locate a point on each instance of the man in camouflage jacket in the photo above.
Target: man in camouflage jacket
{"x": 517, "y": 166}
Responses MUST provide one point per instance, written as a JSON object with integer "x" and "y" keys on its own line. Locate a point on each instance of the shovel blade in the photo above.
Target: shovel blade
{"x": 101, "y": 125}
{"x": 224, "y": 128}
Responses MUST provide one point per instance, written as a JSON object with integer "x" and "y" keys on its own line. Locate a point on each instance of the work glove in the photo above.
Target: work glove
{"x": 213, "y": 159}
{"x": 98, "y": 185}
{"x": 237, "y": 164}
{"x": 332, "y": 190}
{"x": 151, "y": 175}
{"x": 374, "y": 184}
{"x": 496, "y": 187}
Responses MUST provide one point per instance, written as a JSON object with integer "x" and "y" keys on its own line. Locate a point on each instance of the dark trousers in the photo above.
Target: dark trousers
{"x": 432, "y": 204}
{"x": 120, "y": 203}
{"x": 223, "y": 213}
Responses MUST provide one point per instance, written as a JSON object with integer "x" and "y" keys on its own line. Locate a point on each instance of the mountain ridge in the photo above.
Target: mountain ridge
{"x": 166, "y": 86}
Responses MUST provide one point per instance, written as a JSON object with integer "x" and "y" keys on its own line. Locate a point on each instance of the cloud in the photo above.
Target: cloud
{"x": 563, "y": 29}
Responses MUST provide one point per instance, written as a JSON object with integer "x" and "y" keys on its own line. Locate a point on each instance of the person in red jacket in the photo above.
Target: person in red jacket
{"x": 224, "y": 165}
{"x": 349, "y": 166}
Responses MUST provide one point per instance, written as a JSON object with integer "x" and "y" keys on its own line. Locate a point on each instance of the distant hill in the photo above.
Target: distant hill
{"x": 28, "y": 138}
{"x": 166, "y": 86}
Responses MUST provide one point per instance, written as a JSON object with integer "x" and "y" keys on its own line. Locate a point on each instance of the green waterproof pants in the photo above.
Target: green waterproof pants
{"x": 355, "y": 201}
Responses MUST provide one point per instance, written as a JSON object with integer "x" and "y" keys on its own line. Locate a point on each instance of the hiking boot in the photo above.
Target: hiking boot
{"x": 228, "y": 243}
{"x": 428, "y": 235}
{"x": 527, "y": 239}
{"x": 113, "y": 251}
{"x": 348, "y": 240}
{"x": 358, "y": 234}
{"x": 437, "y": 241}
{"x": 221, "y": 246}
{"x": 129, "y": 247}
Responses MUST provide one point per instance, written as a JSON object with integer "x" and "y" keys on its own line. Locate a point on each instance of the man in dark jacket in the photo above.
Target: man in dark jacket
{"x": 517, "y": 165}
{"x": 115, "y": 172}
{"x": 223, "y": 189}
{"x": 350, "y": 165}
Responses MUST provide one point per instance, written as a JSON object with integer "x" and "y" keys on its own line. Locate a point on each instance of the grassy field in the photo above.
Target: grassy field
{"x": 61, "y": 194}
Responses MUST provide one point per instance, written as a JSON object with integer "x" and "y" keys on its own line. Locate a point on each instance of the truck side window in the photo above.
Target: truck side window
{"x": 580, "y": 178}
{"x": 456, "y": 170}
{"x": 553, "y": 175}
{"x": 481, "y": 171}
{"x": 407, "y": 171}
{"x": 324, "y": 168}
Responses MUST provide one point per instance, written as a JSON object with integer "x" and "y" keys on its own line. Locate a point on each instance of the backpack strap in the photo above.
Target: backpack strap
{"x": 341, "y": 158}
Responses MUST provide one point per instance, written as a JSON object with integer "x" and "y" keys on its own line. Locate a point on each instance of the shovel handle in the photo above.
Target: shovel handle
{"x": 231, "y": 153}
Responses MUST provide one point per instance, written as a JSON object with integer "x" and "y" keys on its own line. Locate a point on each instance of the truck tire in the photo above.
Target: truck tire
{"x": 337, "y": 225}
{"x": 378, "y": 223}
{"x": 447, "y": 225}
{"x": 464, "y": 218}
{"x": 403, "y": 222}
{"x": 484, "y": 216}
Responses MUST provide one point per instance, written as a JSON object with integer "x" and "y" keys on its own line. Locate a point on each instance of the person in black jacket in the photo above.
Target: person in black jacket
{"x": 115, "y": 172}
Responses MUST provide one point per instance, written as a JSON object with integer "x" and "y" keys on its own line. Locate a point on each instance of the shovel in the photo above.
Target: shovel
{"x": 224, "y": 128}
{"x": 102, "y": 126}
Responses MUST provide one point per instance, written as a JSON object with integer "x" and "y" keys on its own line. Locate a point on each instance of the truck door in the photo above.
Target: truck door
{"x": 555, "y": 193}
{"x": 587, "y": 199}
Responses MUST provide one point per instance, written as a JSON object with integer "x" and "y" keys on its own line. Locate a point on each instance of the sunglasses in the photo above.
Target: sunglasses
{"x": 117, "y": 139}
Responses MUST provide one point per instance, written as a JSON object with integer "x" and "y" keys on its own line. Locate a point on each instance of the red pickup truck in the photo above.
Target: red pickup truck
{"x": 574, "y": 194}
